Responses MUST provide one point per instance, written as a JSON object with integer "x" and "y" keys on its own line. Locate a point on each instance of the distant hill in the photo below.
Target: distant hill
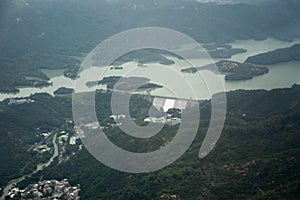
{"x": 68, "y": 26}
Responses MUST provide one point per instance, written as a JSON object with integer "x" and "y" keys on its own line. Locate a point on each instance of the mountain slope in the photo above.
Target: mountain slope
{"x": 257, "y": 157}
{"x": 70, "y": 26}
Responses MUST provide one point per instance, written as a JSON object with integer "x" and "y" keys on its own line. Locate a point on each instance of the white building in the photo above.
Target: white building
{"x": 165, "y": 104}
{"x": 73, "y": 140}
{"x": 19, "y": 101}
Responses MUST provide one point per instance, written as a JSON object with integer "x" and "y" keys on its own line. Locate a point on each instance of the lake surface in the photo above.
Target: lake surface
{"x": 254, "y": 47}
{"x": 281, "y": 75}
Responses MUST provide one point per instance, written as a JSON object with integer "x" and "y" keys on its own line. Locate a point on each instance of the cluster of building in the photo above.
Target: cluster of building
{"x": 164, "y": 120}
{"x": 73, "y": 140}
{"x": 19, "y": 101}
{"x": 64, "y": 138}
{"x": 170, "y": 197}
{"x": 42, "y": 149}
{"x": 160, "y": 103}
{"x": 166, "y": 103}
{"x": 116, "y": 117}
{"x": 46, "y": 190}
{"x": 168, "y": 119}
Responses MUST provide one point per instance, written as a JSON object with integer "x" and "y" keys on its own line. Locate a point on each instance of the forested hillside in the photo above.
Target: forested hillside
{"x": 256, "y": 157}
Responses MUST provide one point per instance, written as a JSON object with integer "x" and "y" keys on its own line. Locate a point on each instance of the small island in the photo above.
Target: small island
{"x": 233, "y": 70}
{"x": 4, "y": 88}
{"x": 144, "y": 56}
{"x": 72, "y": 73}
{"x": 26, "y": 71}
{"x": 63, "y": 91}
{"x": 125, "y": 84}
{"x": 222, "y": 51}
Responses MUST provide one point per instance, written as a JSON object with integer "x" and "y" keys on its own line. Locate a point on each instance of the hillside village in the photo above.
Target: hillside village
{"x": 46, "y": 190}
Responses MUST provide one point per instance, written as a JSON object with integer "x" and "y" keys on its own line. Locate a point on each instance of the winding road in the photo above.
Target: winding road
{"x": 39, "y": 167}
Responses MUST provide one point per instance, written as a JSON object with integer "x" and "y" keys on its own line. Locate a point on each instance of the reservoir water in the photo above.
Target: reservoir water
{"x": 281, "y": 75}
{"x": 255, "y": 47}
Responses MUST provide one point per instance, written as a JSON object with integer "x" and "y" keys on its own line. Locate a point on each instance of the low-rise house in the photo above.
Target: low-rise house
{"x": 20, "y": 101}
